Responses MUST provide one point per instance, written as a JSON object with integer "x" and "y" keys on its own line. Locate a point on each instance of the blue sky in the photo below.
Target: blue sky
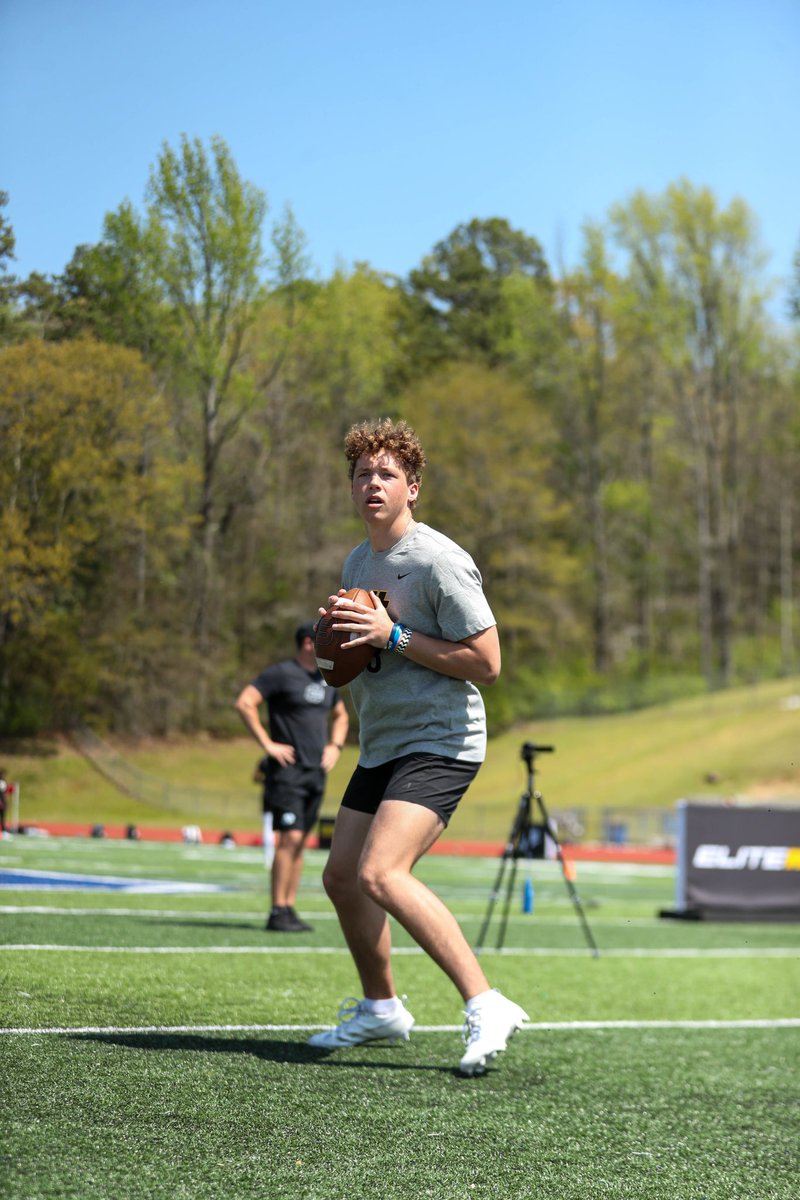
{"x": 385, "y": 126}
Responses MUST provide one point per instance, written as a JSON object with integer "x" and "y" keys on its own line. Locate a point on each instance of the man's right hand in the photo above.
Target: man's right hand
{"x": 284, "y": 755}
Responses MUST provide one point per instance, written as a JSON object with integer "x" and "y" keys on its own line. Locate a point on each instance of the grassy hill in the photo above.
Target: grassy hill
{"x": 745, "y": 741}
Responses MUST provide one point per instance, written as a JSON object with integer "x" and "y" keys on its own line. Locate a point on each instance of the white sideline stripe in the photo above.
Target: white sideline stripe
{"x": 526, "y": 918}
{"x": 517, "y": 951}
{"x": 56, "y": 910}
{"x": 531, "y": 1027}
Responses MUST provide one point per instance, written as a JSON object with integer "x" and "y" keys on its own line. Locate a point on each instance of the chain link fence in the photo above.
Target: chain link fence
{"x": 612, "y": 825}
{"x": 615, "y": 826}
{"x": 155, "y": 792}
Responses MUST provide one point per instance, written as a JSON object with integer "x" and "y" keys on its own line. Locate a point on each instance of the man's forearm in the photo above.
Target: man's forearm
{"x": 249, "y": 715}
{"x": 476, "y": 658}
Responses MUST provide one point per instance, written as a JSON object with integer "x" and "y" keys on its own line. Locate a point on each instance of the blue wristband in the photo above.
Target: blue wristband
{"x": 394, "y": 637}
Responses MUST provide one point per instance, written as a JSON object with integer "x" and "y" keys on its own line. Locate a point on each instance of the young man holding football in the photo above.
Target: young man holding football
{"x": 422, "y": 740}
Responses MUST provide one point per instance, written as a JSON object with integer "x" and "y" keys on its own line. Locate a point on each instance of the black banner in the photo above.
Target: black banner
{"x": 738, "y": 862}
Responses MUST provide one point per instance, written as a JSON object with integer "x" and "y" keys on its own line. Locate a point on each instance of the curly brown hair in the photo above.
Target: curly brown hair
{"x": 395, "y": 437}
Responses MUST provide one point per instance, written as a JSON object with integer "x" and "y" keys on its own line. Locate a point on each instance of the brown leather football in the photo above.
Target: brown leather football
{"x": 339, "y": 666}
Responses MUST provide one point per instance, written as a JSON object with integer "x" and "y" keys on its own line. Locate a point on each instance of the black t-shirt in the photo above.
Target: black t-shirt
{"x": 298, "y": 702}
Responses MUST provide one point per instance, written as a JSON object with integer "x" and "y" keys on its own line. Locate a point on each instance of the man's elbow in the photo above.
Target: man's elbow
{"x": 489, "y": 672}
{"x": 486, "y": 656}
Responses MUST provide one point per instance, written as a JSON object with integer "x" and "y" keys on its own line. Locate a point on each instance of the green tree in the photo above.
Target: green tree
{"x": 203, "y": 238}
{"x": 293, "y": 523}
{"x": 591, "y": 298}
{"x": 182, "y": 284}
{"x": 92, "y": 525}
{"x": 457, "y": 303}
{"x": 489, "y": 486}
{"x": 794, "y": 295}
{"x": 7, "y": 279}
{"x": 187, "y": 284}
{"x": 696, "y": 266}
{"x": 112, "y": 291}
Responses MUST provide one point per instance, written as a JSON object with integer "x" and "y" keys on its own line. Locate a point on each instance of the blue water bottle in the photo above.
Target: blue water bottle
{"x": 527, "y": 896}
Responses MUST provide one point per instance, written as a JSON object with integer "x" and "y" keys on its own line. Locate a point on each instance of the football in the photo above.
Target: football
{"x": 339, "y": 666}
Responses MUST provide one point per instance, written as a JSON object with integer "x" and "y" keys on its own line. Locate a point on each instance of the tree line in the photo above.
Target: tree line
{"x": 617, "y": 445}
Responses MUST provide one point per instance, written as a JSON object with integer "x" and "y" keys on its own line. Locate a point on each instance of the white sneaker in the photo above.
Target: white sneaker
{"x": 487, "y": 1030}
{"x": 357, "y": 1025}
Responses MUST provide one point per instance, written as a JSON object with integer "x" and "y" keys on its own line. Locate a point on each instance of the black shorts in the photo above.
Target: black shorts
{"x": 294, "y": 795}
{"x": 434, "y": 782}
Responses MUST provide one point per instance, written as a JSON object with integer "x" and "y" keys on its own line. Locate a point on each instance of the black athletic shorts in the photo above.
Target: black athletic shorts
{"x": 294, "y": 795}
{"x": 434, "y": 782}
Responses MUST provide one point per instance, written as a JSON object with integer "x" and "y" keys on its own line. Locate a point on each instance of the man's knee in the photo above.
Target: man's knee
{"x": 291, "y": 841}
{"x": 339, "y": 879}
{"x": 375, "y": 881}
{"x": 334, "y": 879}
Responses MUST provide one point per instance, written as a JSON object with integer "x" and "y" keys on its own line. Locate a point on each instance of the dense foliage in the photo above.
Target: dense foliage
{"x": 618, "y": 448}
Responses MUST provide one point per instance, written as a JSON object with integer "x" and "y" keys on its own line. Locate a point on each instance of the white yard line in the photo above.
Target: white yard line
{"x": 532, "y": 1027}
{"x": 537, "y": 920}
{"x": 58, "y": 910}
{"x": 519, "y": 952}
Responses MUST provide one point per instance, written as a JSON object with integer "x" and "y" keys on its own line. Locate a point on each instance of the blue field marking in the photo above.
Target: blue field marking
{"x": 70, "y": 882}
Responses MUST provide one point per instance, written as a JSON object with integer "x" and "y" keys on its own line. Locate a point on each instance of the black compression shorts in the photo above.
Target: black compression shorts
{"x": 427, "y": 779}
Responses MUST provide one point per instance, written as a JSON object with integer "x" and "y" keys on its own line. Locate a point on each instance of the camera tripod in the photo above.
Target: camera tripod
{"x": 518, "y": 846}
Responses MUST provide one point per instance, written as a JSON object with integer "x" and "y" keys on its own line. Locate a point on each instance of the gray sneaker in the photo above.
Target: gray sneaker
{"x": 487, "y": 1031}
{"x": 357, "y": 1025}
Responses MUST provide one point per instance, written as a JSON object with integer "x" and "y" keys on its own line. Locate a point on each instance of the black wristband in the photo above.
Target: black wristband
{"x": 403, "y": 640}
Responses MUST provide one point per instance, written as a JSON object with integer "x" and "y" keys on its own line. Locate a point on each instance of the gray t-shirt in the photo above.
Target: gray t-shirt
{"x": 431, "y": 585}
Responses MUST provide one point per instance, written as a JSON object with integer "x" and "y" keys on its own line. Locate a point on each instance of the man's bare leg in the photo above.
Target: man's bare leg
{"x": 287, "y": 867}
{"x": 398, "y": 837}
{"x": 363, "y": 922}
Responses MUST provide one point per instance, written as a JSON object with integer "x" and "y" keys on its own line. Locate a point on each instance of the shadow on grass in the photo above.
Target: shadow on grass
{"x": 270, "y": 1050}
{"x": 200, "y": 923}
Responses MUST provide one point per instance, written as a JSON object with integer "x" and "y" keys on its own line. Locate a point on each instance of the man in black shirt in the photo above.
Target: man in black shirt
{"x": 308, "y": 725}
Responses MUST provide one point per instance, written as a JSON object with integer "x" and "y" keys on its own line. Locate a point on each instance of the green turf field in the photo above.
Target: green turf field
{"x": 153, "y": 1042}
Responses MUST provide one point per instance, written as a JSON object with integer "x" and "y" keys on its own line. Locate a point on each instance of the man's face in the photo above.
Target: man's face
{"x": 381, "y": 492}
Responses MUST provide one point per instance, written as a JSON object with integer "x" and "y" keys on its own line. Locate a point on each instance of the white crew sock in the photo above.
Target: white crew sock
{"x": 382, "y": 1008}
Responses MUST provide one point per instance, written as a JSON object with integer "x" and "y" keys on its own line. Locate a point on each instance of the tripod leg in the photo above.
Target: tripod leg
{"x": 492, "y": 901}
{"x": 576, "y": 900}
{"x": 509, "y": 852}
{"x": 571, "y": 889}
{"x": 501, "y": 933}
{"x": 521, "y": 831}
